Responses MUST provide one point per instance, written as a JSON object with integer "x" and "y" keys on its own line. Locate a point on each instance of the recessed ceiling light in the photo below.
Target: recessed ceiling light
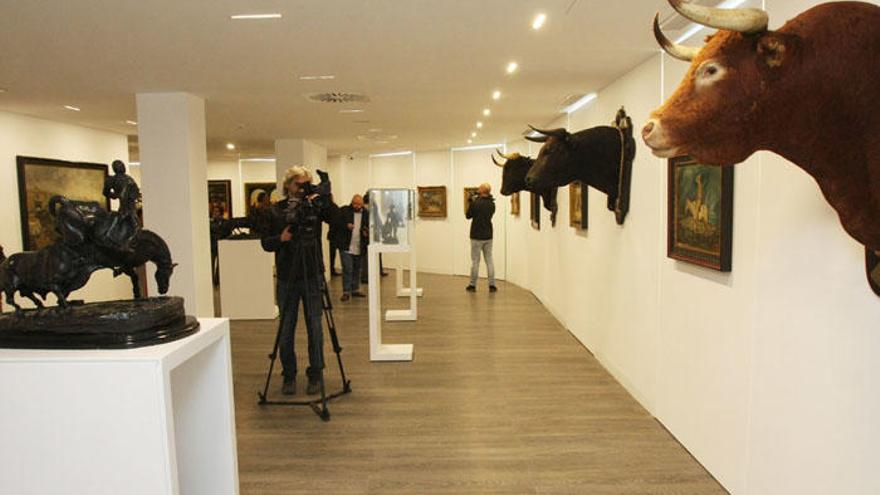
{"x": 2, "y": 90}
{"x": 131, "y": 122}
{"x": 470, "y": 141}
{"x": 352, "y": 110}
{"x": 316, "y": 78}
{"x": 479, "y": 125}
{"x": 496, "y": 95}
{"x": 375, "y": 129}
{"x": 487, "y": 112}
{"x": 511, "y": 67}
{"x": 473, "y": 134}
{"x": 251, "y": 17}
{"x": 73, "y": 108}
{"x": 539, "y": 20}
{"x": 230, "y": 146}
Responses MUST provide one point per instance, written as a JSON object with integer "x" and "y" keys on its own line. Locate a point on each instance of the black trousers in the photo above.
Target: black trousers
{"x": 289, "y": 297}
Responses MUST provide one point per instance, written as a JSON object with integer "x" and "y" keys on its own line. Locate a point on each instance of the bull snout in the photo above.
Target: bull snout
{"x": 654, "y": 136}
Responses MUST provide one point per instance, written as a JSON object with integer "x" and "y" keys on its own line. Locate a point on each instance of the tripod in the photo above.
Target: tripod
{"x": 319, "y": 406}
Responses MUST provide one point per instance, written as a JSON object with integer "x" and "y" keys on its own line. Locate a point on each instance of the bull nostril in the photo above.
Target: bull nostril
{"x": 647, "y": 130}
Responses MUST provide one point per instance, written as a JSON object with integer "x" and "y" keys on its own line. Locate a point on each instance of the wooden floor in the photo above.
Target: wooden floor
{"x": 499, "y": 399}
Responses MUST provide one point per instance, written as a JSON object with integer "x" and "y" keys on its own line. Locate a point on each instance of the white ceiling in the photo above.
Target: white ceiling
{"x": 429, "y": 67}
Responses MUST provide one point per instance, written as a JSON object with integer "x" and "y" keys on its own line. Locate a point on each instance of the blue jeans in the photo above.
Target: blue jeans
{"x": 289, "y": 298}
{"x": 484, "y": 247}
{"x": 351, "y": 272}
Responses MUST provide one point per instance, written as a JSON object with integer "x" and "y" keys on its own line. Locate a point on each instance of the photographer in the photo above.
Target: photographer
{"x": 293, "y": 234}
{"x": 480, "y": 214}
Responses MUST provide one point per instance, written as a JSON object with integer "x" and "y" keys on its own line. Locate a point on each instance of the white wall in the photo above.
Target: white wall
{"x": 27, "y": 136}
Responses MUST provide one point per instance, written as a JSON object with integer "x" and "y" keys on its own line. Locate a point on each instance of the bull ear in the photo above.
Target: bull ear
{"x": 774, "y": 49}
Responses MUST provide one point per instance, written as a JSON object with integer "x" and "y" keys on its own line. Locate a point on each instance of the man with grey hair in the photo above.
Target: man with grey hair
{"x": 480, "y": 212}
{"x": 293, "y": 233}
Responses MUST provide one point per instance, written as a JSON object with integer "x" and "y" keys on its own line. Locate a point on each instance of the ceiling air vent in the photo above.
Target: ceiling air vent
{"x": 337, "y": 97}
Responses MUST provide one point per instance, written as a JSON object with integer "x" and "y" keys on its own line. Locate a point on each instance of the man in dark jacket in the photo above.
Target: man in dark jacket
{"x": 293, "y": 233}
{"x": 335, "y": 237}
{"x": 354, "y": 235}
{"x": 480, "y": 213}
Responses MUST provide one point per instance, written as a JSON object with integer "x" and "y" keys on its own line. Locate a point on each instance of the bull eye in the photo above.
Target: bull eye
{"x": 709, "y": 72}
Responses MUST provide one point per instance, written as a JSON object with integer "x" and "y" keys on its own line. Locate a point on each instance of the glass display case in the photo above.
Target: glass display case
{"x": 391, "y": 216}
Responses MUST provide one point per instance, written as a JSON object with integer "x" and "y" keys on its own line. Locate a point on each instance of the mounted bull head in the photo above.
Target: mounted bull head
{"x": 807, "y": 92}
{"x": 513, "y": 180}
{"x": 600, "y": 157}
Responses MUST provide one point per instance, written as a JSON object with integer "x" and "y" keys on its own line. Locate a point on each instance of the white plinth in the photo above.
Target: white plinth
{"x": 246, "y": 283}
{"x": 378, "y": 350}
{"x": 154, "y": 421}
{"x": 405, "y": 291}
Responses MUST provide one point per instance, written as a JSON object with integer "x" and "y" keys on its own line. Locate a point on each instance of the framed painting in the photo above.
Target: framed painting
{"x": 514, "y": 204}
{"x": 39, "y": 179}
{"x": 220, "y": 196}
{"x": 577, "y": 205}
{"x": 700, "y": 213}
{"x": 432, "y": 202}
{"x": 252, "y": 191}
{"x": 535, "y": 210}
{"x": 469, "y": 194}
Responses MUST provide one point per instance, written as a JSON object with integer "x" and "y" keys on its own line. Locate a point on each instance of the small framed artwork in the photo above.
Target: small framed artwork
{"x": 535, "y": 210}
{"x": 469, "y": 194}
{"x": 220, "y": 198}
{"x": 700, "y": 213}
{"x": 39, "y": 179}
{"x": 577, "y": 203}
{"x": 514, "y": 204}
{"x": 432, "y": 202}
{"x": 252, "y": 191}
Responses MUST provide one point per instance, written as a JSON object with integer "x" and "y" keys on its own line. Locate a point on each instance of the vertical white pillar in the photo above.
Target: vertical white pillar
{"x": 291, "y": 152}
{"x": 171, "y": 134}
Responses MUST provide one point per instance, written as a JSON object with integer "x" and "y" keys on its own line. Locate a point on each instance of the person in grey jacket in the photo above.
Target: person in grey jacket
{"x": 480, "y": 214}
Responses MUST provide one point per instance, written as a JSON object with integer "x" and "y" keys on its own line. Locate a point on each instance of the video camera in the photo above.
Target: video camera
{"x": 304, "y": 216}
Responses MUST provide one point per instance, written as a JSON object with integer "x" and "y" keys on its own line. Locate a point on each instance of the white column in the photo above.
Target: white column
{"x": 291, "y": 152}
{"x": 171, "y": 134}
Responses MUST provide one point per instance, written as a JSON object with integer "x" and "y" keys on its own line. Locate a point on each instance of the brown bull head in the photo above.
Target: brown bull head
{"x": 715, "y": 115}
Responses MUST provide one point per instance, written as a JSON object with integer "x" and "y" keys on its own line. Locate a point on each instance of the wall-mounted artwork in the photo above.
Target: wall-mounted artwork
{"x": 872, "y": 265}
{"x": 432, "y": 202}
{"x": 252, "y": 192}
{"x": 220, "y": 196}
{"x": 535, "y": 210}
{"x": 700, "y": 213}
{"x": 39, "y": 179}
{"x": 469, "y": 194}
{"x": 577, "y": 205}
{"x": 514, "y": 204}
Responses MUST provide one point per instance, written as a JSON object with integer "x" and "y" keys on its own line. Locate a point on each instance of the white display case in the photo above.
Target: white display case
{"x": 391, "y": 218}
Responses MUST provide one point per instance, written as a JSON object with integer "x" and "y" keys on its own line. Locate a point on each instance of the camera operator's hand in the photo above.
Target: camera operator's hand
{"x": 312, "y": 197}
{"x": 350, "y": 226}
{"x": 286, "y": 236}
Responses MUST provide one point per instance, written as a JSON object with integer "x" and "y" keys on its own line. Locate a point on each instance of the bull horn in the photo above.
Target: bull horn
{"x": 537, "y": 139}
{"x": 510, "y": 156}
{"x": 496, "y": 163}
{"x": 681, "y": 52}
{"x": 740, "y": 20}
{"x": 558, "y": 133}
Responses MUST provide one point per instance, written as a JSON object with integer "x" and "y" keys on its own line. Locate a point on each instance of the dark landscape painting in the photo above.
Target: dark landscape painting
{"x": 432, "y": 202}
{"x": 220, "y": 196}
{"x": 252, "y": 191}
{"x": 39, "y": 179}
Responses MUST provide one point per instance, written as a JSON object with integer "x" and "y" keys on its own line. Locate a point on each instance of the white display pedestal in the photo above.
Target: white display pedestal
{"x": 246, "y": 283}
{"x": 410, "y": 314}
{"x": 378, "y": 350}
{"x": 405, "y": 291}
{"x": 155, "y": 420}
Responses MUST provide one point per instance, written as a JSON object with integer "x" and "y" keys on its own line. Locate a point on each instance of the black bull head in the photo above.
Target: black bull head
{"x": 600, "y": 157}
{"x": 513, "y": 180}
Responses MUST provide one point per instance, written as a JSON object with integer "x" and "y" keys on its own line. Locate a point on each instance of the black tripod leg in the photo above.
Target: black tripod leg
{"x": 274, "y": 354}
{"x": 331, "y": 329}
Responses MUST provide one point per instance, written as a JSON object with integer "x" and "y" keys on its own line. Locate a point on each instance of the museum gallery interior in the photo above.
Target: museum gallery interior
{"x": 411, "y": 246}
